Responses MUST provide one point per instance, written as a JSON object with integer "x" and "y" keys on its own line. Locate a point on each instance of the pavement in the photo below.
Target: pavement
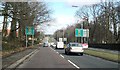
{"x": 14, "y": 59}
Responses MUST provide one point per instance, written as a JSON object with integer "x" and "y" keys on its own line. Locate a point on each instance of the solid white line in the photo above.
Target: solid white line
{"x": 21, "y": 60}
{"x": 73, "y": 64}
{"x": 62, "y": 56}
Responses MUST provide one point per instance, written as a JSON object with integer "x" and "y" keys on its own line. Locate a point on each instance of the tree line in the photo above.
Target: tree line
{"x": 20, "y": 15}
{"x": 102, "y": 20}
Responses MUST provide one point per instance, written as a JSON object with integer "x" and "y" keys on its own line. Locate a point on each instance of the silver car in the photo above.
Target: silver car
{"x": 74, "y": 48}
{"x": 45, "y": 44}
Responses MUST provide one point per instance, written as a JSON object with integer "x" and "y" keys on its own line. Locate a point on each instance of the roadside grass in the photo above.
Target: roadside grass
{"x": 7, "y": 53}
{"x": 104, "y": 55}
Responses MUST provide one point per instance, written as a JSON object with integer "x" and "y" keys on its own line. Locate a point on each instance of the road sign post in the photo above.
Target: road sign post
{"x": 29, "y": 31}
{"x": 26, "y": 41}
{"x": 82, "y": 33}
{"x": 78, "y": 32}
{"x": 32, "y": 40}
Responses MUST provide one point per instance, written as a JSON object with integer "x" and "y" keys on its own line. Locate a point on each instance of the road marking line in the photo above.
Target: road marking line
{"x": 62, "y": 56}
{"x": 73, "y": 64}
{"x": 52, "y": 48}
{"x": 14, "y": 65}
{"x": 57, "y": 52}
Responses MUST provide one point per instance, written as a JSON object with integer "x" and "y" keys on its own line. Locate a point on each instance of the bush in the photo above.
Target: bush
{"x": 6, "y": 46}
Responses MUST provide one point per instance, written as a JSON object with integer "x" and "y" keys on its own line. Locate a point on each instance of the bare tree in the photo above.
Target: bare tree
{"x": 24, "y": 14}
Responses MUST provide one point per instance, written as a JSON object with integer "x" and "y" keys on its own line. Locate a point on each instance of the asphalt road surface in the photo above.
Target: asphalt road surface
{"x": 87, "y": 61}
{"x": 48, "y": 57}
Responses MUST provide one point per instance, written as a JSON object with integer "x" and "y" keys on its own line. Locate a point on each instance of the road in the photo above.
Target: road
{"x": 87, "y": 61}
{"x": 48, "y": 57}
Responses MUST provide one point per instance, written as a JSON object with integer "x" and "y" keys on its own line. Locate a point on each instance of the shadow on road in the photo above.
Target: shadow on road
{"x": 71, "y": 54}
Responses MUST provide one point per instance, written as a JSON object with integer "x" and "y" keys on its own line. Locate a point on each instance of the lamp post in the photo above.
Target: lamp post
{"x": 85, "y": 19}
{"x": 82, "y": 27}
{"x": 63, "y": 35}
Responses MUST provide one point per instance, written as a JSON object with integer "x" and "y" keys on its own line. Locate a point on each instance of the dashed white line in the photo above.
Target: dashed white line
{"x": 73, "y": 64}
{"x": 62, "y": 56}
{"x": 57, "y": 52}
{"x": 68, "y": 60}
{"x": 52, "y": 48}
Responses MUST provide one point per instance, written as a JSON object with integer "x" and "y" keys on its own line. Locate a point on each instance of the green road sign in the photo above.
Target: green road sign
{"x": 29, "y": 31}
{"x": 78, "y": 32}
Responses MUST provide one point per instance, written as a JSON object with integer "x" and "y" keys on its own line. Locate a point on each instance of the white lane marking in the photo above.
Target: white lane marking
{"x": 14, "y": 65}
{"x": 52, "y": 48}
{"x": 57, "y": 52}
{"x": 62, "y": 56}
{"x": 73, "y": 64}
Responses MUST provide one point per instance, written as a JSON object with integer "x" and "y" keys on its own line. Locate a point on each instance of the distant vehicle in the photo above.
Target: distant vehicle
{"x": 60, "y": 45}
{"x": 60, "y": 39}
{"x": 45, "y": 44}
{"x": 74, "y": 48}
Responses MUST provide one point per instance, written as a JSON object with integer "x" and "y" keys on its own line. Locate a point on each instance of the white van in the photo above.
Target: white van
{"x": 60, "y": 45}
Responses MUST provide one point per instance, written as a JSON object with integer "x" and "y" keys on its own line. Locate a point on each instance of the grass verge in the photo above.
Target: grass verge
{"x": 7, "y": 53}
{"x": 104, "y": 55}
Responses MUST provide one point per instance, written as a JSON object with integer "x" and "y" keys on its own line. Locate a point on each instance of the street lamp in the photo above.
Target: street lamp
{"x": 82, "y": 25}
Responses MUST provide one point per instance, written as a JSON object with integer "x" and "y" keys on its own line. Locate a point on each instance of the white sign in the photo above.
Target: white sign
{"x": 85, "y": 32}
